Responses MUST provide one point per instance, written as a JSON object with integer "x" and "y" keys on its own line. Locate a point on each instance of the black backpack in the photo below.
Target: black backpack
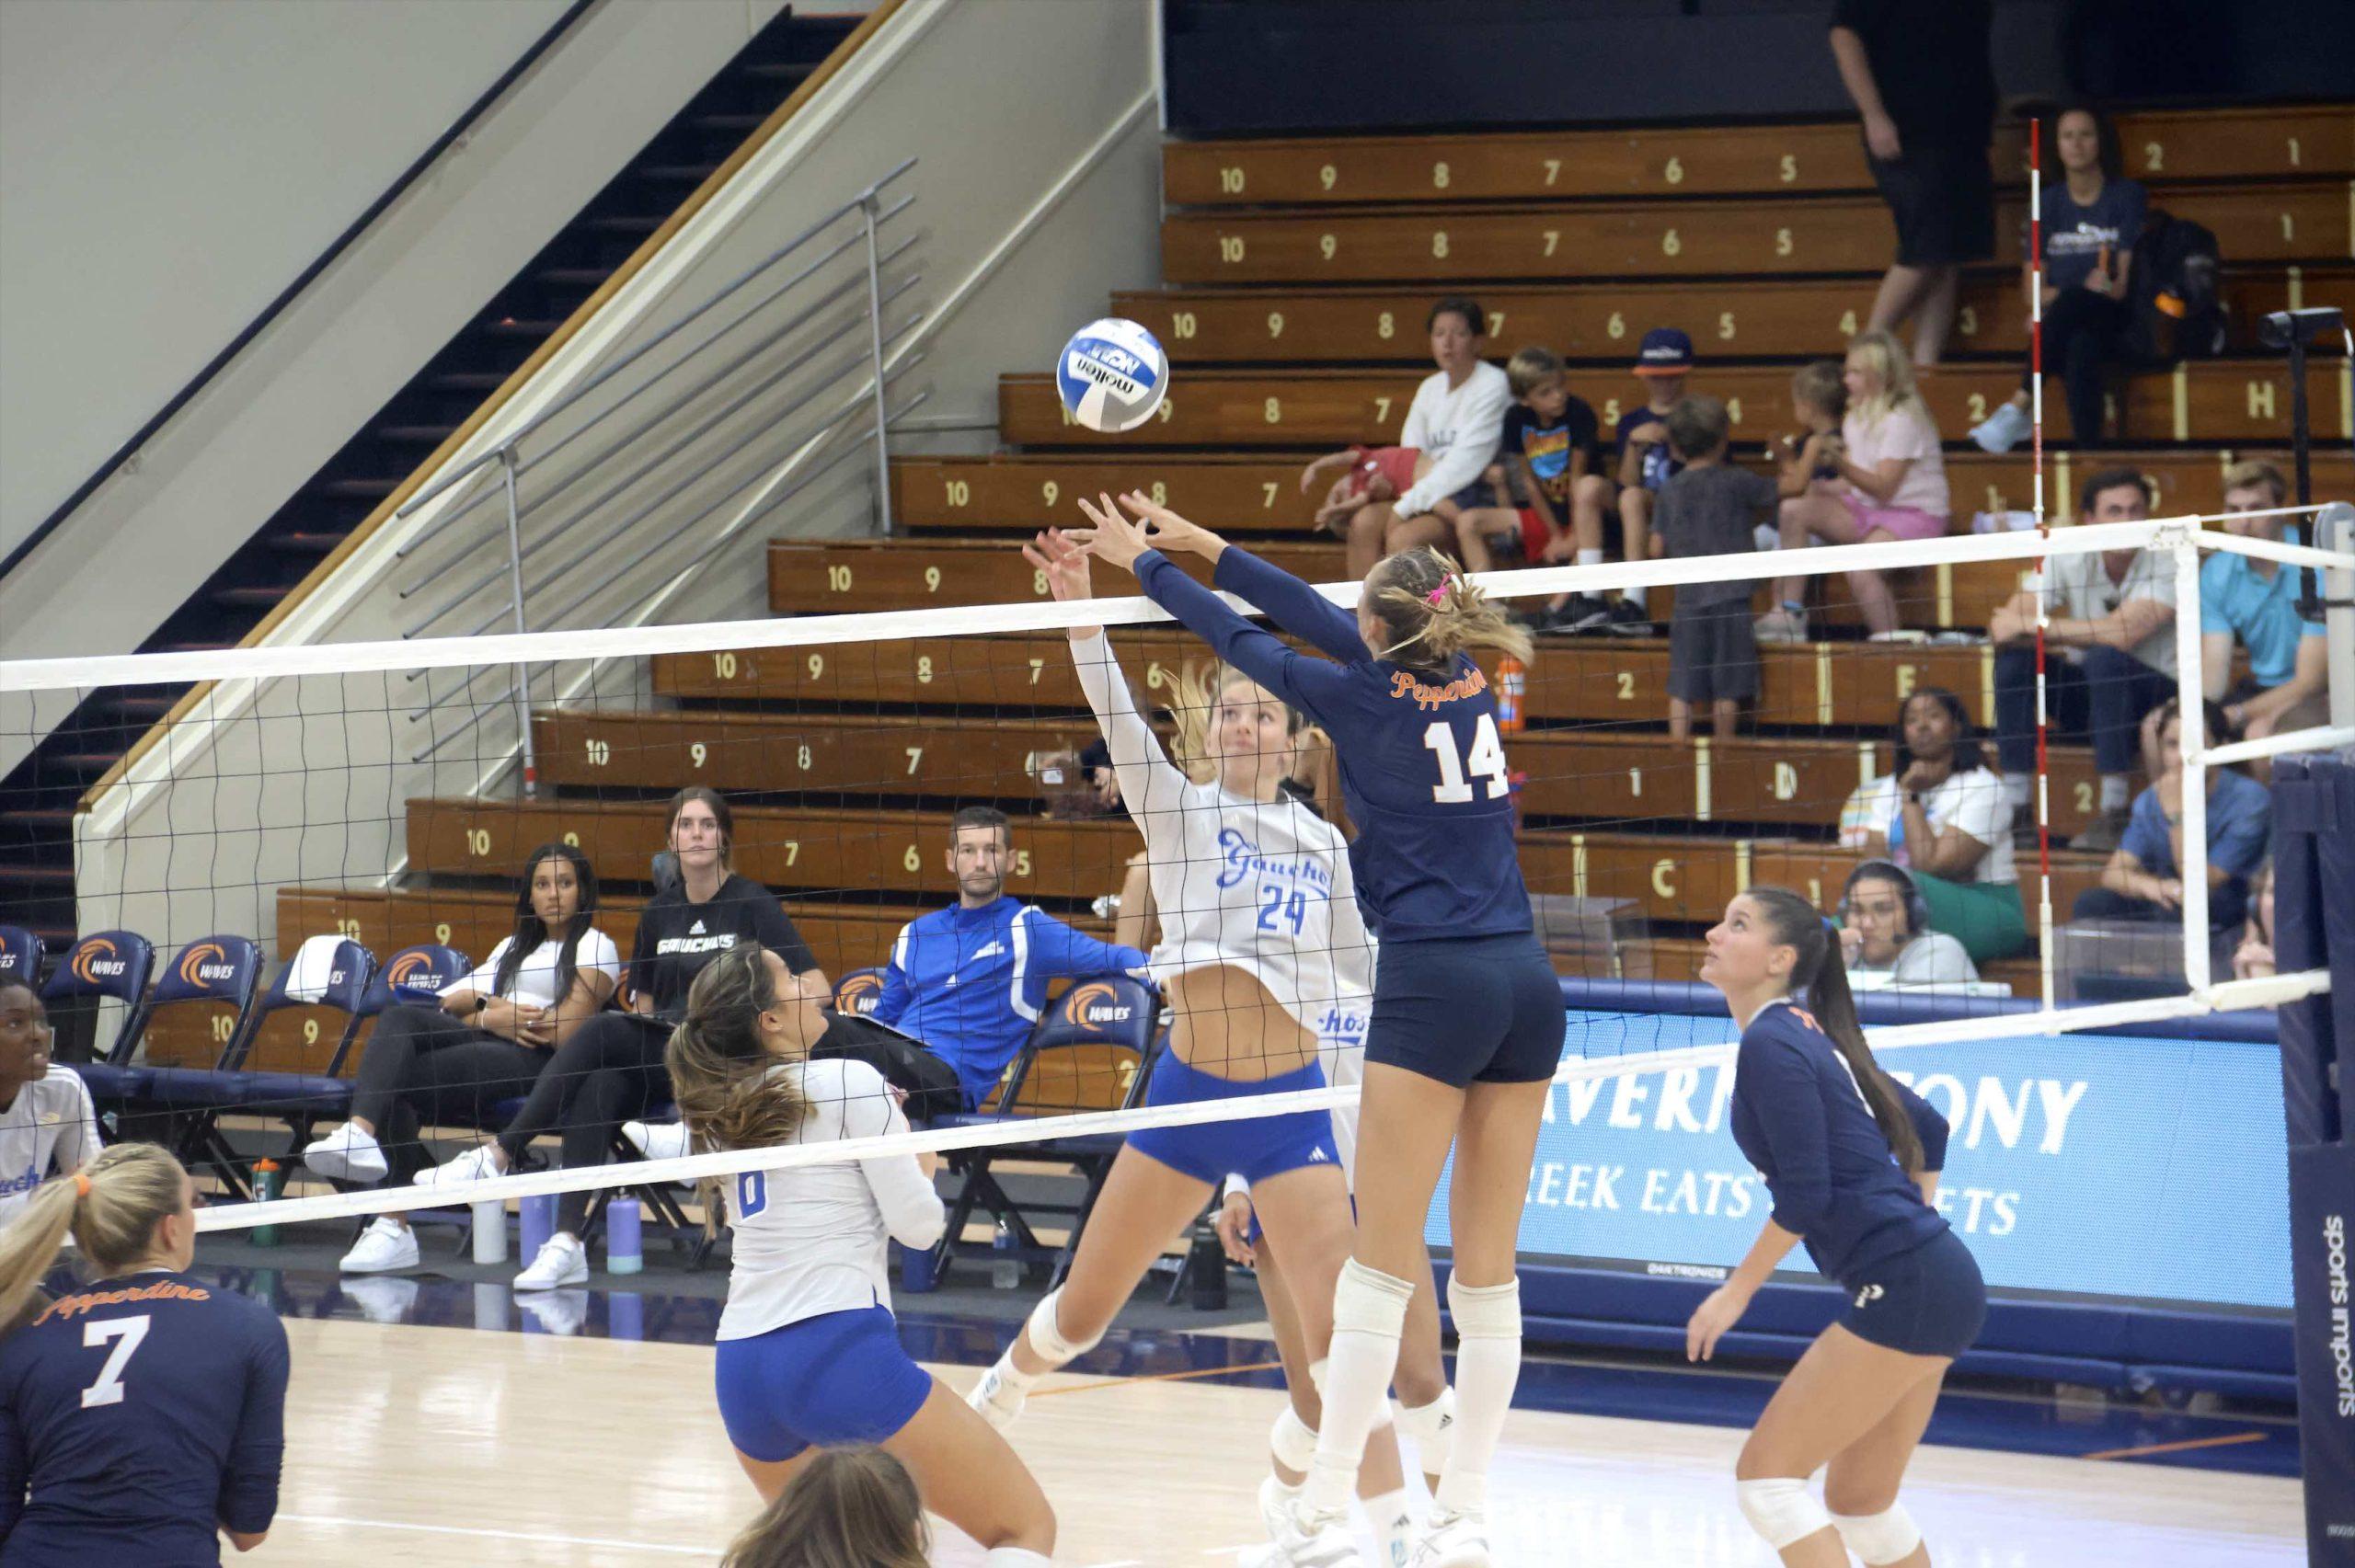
{"x": 2174, "y": 310}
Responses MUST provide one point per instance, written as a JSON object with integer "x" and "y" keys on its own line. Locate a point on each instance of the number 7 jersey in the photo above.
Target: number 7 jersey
{"x": 1421, "y": 760}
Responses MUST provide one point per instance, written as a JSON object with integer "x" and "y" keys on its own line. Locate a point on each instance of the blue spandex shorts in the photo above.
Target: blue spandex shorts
{"x": 1928, "y": 1301}
{"x": 1467, "y": 1010}
{"x": 1254, "y": 1148}
{"x": 839, "y": 1378}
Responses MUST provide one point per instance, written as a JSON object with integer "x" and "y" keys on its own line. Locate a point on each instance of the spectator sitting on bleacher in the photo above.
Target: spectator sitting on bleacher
{"x": 47, "y": 1124}
{"x": 488, "y": 1037}
{"x": 1370, "y": 475}
{"x": 1456, "y": 421}
{"x": 970, "y": 981}
{"x": 2091, "y": 220}
{"x": 1551, "y": 447}
{"x": 1944, "y": 817}
{"x": 2113, "y": 621}
{"x": 1711, "y": 507}
{"x": 1810, "y": 459}
{"x": 1919, "y": 72}
{"x": 1885, "y": 937}
{"x": 1894, "y": 487}
{"x": 2144, "y": 877}
{"x": 1646, "y": 465}
{"x": 2255, "y": 603}
{"x": 611, "y": 1070}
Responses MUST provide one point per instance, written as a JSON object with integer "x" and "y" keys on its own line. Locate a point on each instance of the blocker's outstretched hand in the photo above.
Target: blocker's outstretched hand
{"x": 1063, "y": 564}
{"x": 1119, "y": 538}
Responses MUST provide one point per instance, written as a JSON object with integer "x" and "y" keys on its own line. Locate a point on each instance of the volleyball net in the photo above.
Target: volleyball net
{"x": 392, "y": 797}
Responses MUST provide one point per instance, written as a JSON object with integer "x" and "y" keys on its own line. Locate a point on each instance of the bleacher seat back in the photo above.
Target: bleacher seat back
{"x": 857, "y": 992}
{"x": 1087, "y": 1053}
{"x": 20, "y": 953}
{"x": 426, "y": 966}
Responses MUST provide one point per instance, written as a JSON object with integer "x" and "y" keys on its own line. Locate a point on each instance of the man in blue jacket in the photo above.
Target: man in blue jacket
{"x": 970, "y": 980}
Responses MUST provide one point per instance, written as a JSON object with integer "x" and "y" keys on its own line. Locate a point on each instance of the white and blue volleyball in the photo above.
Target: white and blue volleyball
{"x": 1112, "y": 375}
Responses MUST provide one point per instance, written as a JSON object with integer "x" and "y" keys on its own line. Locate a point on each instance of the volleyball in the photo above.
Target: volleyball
{"x": 1112, "y": 375}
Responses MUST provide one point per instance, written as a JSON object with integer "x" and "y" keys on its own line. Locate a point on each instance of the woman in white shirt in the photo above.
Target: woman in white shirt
{"x": 810, "y": 1354}
{"x": 485, "y": 1041}
{"x": 1456, "y": 421}
{"x": 1892, "y": 486}
{"x": 47, "y": 1124}
{"x": 1942, "y": 814}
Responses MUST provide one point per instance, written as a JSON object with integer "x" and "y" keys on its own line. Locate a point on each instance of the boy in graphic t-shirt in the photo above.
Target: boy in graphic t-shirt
{"x": 1551, "y": 443}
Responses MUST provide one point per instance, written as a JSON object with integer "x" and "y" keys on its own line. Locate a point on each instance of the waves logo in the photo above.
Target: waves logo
{"x": 97, "y": 961}
{"x": 207, "y": 963}
{"x": 1096, "y": 1002}
{"x": 413, "y": 969}
{"x": 859, "y": 995}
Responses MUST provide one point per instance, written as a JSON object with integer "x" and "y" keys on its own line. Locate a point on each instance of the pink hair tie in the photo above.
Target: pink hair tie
{"x": 1438, "y": 596}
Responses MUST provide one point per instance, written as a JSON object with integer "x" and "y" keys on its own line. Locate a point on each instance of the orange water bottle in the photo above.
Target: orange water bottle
{"x": 1512, "y": 683}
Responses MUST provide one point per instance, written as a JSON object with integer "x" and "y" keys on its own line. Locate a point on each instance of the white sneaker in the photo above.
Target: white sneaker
{"x": 386, "y": 1244}
{"x": 658, "y": 1140}
{"x": 1781, "y": 626}
{"x": 1301, "y": 1543}
{"x": 2003, "y": 430}
{"x": 998, "y": 1400}
{"x": 1276, "y": 1502}
{"x": 562, "y": 1261}
{"x": 477, "y": 1165}
{"x": 1452, "y": 1540}
{"x": 349, "y": 1153}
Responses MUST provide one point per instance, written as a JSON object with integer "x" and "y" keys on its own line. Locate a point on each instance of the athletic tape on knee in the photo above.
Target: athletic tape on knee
{"x": 1366, "y": 1300}
{"x": 1293, "y": 1441}
{"x": 1888, "y": 1536}
{"x": 1781, "y": 1509}
{"x": 1484, "y": 1311}
{"x": 1047, "y": 1335}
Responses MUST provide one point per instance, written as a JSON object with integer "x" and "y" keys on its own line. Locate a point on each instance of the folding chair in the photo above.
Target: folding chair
{"x": 20, "y": 953}
{"x": 219, "y": 970}
{"x": 326, "y": 971}
{"x": 426, "y": 967}
{"x": 109, "y": 964}
{"x": 1089, "y": 1052}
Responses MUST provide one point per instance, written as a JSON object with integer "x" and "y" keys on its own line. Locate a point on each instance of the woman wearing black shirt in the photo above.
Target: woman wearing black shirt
{"x": 611, "y": 1070}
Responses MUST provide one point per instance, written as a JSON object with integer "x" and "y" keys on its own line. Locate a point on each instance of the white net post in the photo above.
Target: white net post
{"x": 2191, "y": 694}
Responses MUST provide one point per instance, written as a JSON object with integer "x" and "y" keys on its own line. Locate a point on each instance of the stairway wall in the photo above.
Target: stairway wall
{"x": 358, "y": 333}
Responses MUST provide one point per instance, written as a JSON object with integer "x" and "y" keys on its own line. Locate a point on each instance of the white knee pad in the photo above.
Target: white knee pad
{"x": 1293, "y": 1441}
{"x": 1781, "y": 1509}
{"x": 1366, "y": 1300}
{"x": 1484, "y": 1311}
{"x": 1046, "y": 1337}
{"x": 1888, "y": 1536}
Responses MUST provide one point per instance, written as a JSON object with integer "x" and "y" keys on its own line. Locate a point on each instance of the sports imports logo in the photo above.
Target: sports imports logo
{"x": 207, "y": 963}
{"x": 97, "y": 961}
{"x": 1096, "y": 1003}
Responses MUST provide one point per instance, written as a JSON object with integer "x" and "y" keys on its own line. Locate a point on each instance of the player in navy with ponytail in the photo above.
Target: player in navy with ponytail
{"x": 1851, "y": 1159}
{"x": 1466, "y": 1024}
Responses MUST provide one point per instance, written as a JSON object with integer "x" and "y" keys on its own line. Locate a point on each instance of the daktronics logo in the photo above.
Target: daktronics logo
{"x": 859, "y": 995}
{"x": 1096, "y": 1002}
{"x": 98, "y": 960}
{"x": 207, "y": 962}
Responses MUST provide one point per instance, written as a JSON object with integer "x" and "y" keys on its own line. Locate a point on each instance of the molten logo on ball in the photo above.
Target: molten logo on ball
{"x": 1112, "y": 376}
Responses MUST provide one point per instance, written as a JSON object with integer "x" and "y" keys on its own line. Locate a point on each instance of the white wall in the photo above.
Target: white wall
{"x": 168, "y": 166}
{"x": 202, "y": 484}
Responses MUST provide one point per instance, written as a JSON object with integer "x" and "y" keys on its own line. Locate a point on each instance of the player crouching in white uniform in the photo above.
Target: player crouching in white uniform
{"x": 810, "y": 1354}
{"x": 47, "y": 1124}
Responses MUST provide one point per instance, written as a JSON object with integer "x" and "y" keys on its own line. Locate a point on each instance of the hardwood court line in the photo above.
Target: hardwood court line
{"x": 2228, "y": 1440}
{"x": 703, "y": 1551}
{"x": 1155, "y": 1378}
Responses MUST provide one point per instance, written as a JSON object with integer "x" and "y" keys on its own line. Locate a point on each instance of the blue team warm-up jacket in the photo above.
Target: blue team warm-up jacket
{"x": 970, "y": 983}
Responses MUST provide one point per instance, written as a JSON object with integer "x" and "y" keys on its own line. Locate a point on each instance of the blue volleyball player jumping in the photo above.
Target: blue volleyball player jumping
{"x": 1468, "y": 1019}
{"x": 1851, "y": 1159}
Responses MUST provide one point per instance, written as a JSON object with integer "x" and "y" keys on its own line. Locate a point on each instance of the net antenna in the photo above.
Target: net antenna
{"x": 2045, "y": 940}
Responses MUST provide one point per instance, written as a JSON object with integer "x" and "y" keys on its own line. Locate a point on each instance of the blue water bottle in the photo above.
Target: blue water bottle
{"x": 623, "y": 1237}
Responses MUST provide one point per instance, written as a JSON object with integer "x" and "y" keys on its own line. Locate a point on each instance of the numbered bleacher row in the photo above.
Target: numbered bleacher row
{"x": 2240, "y": 144}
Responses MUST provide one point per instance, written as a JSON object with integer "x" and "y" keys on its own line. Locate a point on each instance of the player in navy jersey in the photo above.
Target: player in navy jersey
{"x": 1467, "y": 1020}
{"x": 146, "y": 1412}
{"x": 1851, "y": 1160}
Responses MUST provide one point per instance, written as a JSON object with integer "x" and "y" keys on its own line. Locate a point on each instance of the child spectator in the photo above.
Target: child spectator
{"x": 1708, "y": 509}
{"x": 1551, "y": 443}
{"x": 2144, "y": 877}
{"x": 1645, "y": 460}
{"x": 1810, "y": 462}
{"x": 1892, "y": 485}
{"x": 1370, "y": 475}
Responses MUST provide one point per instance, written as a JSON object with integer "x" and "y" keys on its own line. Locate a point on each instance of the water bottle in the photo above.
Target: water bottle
{"x": 622, "y": 1237}
{"x": 1206, "y": 1265}
{"x": 269, "y": 1183}
{"x": 537, "y": 1223}
{"x": 1006, "y": 1273}
{"x": 489, "y": 1232}
{"x": 915, "y": 1270}
{"x": 1513, "y": 682}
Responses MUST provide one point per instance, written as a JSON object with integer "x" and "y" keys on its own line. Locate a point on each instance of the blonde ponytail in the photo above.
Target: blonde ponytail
{"x": 722, "y": 1077}
{"x": 111, "y": 1207}
{"x": 1431, "y": 613}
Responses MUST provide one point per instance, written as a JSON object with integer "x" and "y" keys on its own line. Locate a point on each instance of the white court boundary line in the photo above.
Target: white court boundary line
{"x": 484, "y": 1533}
{"x": 901, "y": 625}
{"x": 2267, "y": 990}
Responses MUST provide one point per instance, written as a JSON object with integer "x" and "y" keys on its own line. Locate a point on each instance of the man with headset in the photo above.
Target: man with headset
{"x": 1885, "y": 935}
